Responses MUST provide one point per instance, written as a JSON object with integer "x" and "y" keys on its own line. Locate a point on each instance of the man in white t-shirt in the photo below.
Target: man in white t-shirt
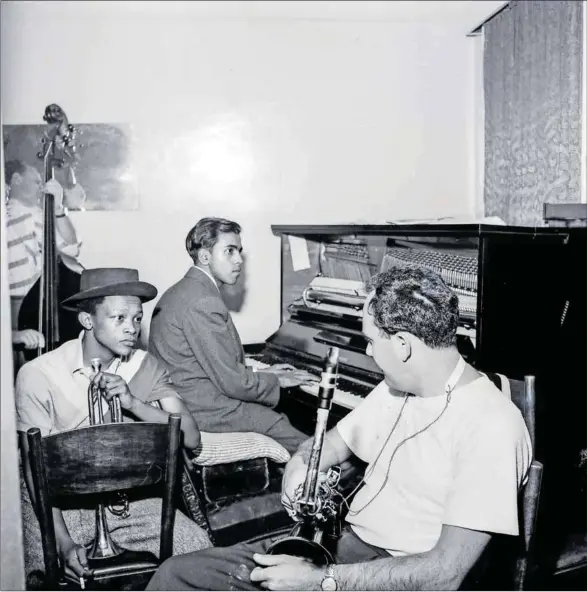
{"x": 447, "y": 453}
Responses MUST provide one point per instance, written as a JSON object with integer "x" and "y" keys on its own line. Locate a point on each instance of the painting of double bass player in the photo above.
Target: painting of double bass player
{"x": 25, "y": 190}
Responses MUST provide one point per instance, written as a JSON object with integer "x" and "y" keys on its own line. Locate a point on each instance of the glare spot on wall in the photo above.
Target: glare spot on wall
{"x": 220, "y": 154}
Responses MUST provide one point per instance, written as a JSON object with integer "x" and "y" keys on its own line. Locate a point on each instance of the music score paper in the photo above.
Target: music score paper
{"x": 299, "y": 253}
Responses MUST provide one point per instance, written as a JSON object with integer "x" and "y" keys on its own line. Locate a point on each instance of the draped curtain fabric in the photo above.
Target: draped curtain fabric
{"x": 532, "y": 83}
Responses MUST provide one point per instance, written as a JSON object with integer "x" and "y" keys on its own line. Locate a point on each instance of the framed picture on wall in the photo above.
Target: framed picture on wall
{"x": 103, "y": 166}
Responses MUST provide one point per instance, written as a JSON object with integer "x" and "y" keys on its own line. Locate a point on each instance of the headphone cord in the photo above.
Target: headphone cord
{"x": 365, "y": 477}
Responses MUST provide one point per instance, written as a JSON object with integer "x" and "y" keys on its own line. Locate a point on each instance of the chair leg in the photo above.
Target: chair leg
{"x": 520, "y": 577}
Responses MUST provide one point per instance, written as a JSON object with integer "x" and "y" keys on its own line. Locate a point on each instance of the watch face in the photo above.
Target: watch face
{"x": 329, "y": 584}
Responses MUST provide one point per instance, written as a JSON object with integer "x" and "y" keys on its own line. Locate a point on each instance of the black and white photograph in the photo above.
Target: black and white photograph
{"x": 293, "y": 295}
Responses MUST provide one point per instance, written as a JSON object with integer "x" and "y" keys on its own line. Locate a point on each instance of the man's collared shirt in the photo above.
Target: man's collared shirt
{"x": 209, "y": 275}
{"x": 51, "y": 391}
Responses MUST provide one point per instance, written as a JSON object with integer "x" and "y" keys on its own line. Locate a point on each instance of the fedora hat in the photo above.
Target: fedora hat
{"x": 110, "y": 281}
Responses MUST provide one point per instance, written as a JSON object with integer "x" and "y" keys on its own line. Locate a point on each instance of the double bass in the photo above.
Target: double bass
{"x": 40, "y": 308}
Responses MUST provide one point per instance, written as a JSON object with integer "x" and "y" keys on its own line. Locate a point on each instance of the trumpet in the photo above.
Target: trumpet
{"x": 317, "y": 502}
{"x": 103, "y": 546}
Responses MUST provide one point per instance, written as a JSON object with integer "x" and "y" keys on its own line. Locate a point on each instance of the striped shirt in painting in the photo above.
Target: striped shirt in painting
{"x": 24, "y": 239}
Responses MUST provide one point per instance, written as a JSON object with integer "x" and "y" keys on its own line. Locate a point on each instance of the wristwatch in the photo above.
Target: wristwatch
{"x": 328, "y": 582}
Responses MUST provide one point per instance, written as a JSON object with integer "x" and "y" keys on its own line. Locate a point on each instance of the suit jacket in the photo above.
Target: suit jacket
{"x": 192, "y": 333}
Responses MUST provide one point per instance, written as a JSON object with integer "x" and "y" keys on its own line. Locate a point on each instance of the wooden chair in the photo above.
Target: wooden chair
{"x": 102, "y": 459}
{"x": 522, "y": 394}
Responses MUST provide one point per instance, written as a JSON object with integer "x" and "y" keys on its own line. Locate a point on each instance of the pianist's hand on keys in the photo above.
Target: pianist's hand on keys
{"x": 288, "y": 375}
{"x": 341, "y": 397}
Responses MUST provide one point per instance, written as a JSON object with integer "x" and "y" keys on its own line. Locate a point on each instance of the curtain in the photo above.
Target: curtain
{"x": 532, "y": 85}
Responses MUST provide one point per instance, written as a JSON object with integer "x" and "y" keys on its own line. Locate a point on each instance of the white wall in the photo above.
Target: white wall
{"x": 280, "y": 119}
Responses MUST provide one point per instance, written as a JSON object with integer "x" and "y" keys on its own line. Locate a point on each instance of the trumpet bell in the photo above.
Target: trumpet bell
{"x": 102, "y": 546}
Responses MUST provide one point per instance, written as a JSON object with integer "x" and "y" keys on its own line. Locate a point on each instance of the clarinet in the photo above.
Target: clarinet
{"x": 317, "y": 502}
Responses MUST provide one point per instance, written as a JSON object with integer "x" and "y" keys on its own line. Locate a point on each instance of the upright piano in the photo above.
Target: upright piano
{"x": 522, "y": 301}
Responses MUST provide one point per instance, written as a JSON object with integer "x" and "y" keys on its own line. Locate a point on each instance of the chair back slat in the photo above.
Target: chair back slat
{"x": 101, "y": 459}
{"x": 531, "y": 499}
{"x": 530, "y": 414}
{"x": 523, "y": 395}
{"x": 105, "y": 458}
{"x": 524, "y": 398}
{"x": 168, "y": 507}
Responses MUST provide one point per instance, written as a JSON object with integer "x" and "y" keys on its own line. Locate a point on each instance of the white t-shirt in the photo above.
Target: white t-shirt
{"x": 464, "y": 470}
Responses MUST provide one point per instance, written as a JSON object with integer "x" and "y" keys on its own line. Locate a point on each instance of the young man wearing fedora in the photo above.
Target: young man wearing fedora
{"x": 51, "y": 394}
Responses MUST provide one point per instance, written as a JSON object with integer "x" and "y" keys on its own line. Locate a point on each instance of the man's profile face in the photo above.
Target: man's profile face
{"x": 27, "y": 187}
{"x": 117, "y": 324}
{"x": 225, "y": 258}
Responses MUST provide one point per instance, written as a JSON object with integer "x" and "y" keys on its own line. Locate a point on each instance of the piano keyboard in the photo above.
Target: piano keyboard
{"x": 341, "y": 397}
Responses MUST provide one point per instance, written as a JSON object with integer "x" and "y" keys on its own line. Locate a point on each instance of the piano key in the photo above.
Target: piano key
{"x": 342, "y": 398}
{"x": 256, "y": 364}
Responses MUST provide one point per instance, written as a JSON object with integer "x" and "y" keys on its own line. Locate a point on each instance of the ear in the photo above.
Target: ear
{"x": 404, "y": 346}
{"x": 85, "y": 320}
{"x": 204, "y": 256}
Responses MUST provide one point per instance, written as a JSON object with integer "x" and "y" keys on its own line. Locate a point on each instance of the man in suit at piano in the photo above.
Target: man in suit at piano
{"x": 447, "y": 453}
{"x": 24, "y": 236}
{"x": 193, "y": 334}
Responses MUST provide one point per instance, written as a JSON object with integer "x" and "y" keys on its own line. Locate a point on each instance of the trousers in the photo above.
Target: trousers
{"x": 228, "y": 568}
{"x": 286, "y": 434}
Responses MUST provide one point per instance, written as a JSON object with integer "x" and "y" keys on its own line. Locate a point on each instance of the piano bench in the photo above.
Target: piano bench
{"x": 235, "y": 502}
{"x": 248, "y": 518}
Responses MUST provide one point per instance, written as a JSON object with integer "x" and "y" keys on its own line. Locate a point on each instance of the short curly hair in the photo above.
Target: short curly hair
{"x": 417, "y": 301}
{"x": 204, "y": 235}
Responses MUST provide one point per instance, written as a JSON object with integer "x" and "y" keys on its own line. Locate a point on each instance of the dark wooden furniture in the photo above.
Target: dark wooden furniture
{"x": 526, "y": 568}
{"x": 237, "y": 501}
{"x": 103, "y": 459}
{"x": 510, "y": 563}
